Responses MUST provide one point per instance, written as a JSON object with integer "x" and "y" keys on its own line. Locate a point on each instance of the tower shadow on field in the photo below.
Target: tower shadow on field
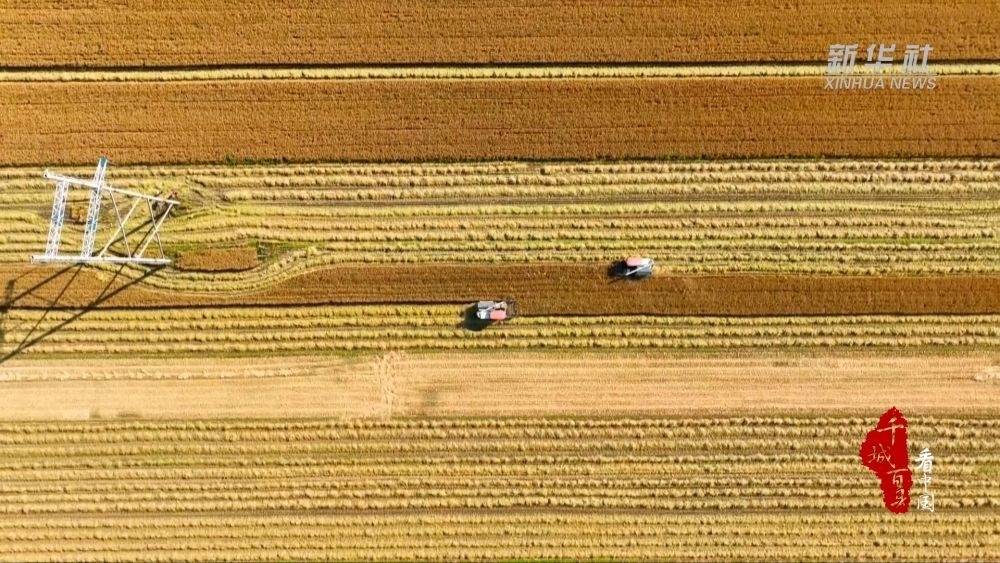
{"x": 11, "y": 298}
{"x": 36, "y": 334}
{"x": 8, "y": 297}
{"x": 14, "y": 299}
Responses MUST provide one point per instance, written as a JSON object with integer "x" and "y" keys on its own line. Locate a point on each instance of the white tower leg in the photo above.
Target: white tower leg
{"x": 58, "y": 215}
{"x": 94, "y": 210}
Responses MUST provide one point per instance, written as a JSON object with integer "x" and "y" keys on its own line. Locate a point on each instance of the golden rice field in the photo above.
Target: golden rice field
{"x": 780, "y": 488}
{"x": 306, "y": 381}
{"x": 430, "y": 120}
{"x": 365, "y": 32}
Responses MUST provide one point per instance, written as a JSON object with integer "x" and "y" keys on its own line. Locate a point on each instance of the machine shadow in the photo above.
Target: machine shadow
{"x": 471, "y": 322}
{"x": 616, "y": 273}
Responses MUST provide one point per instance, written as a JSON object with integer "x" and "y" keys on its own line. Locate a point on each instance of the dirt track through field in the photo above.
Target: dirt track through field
{"x": 240, "y": 32}
{"x": 413, "y": 120}
{"x": 505, "y": 384}
{"x": 540, "y": 289}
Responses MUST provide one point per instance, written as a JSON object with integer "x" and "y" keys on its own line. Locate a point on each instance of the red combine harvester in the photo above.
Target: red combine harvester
{"x": 634, "y": 267}
{"x": 495, "y": 311}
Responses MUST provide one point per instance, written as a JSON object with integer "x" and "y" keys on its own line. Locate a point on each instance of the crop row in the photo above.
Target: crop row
{"x": 476, "y": 501}
{"x": 676, "y": 487}
{"x": 896, "y": 260}
{"x": 687, "y": 239}
{"x": 444, "y": 315}
{"x": 819, "y": 168}
{"x": 265, "y": 436}
{"x": 366, "y": 343}
{"x": 961, "y": 468}
{"x": 457, "y": 490}
{"x": 768, "y": 219}
{"x": 455, "y": 72}
{"x": 363, "y": 448}
{"x": 196, "y": 333}
{"x": 435, "y": 426}
{"x": 655, "y": 523}
{"x": 409, "y": 341}
{"x": 526, "y": 467}
{"x": 352, "y": 535}
{"x": 487, "y": 550}
{"x": 611, "y": 188}
{"x": 457, "y": 539}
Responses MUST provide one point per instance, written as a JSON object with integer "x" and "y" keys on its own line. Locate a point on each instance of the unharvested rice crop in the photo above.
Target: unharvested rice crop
{"x": 230, "y": 259}
{"x": 540, "y": 289}
{"x": 775, "y": 487}
{"x": 428, "y": 120}
{"x": 238, "y": 32}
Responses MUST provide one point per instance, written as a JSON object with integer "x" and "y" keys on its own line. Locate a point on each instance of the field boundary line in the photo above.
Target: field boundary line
{"x": 452, "y": 72}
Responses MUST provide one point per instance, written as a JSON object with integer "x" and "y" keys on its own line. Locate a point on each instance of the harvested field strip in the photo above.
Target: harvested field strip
{"x": 417, "y": 489}
{"x": 458, "y": 72}
{"x": 540, "y": 289}
{"x": 154, "y": 122}
{"x": 381, "y": 32}
{"x": 331, "y": 329}
{"x": 188, "y": 369}
{"x": 521, "y": 383}
{"x": 865, "y": 217}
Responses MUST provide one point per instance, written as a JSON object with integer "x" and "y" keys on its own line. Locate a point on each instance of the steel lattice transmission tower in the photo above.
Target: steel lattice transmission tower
{"x": 158, "y": 207}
